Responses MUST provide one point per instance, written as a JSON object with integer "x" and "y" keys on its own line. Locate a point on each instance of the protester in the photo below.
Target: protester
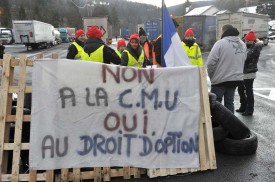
{"x": 133, "y": 55}
{"x": 157, "y": 47}
{"x": 245, "y": 90}
{"x": 109, "y": 41}
{"x": 2, "y": 48}
{"x": 157, "y": 51}
{"x": 96, "y": 50}
{"x": 141, "y": 32}
{"x": 145, "y": 44}
{"x": 191, "y": 48}
{"x": 225, "y": 65}
{"x": 121, "y": 45}
{"x": 76, "y": 48}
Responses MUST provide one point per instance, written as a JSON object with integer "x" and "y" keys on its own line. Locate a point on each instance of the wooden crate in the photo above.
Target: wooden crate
{"x": 14, "y": 136}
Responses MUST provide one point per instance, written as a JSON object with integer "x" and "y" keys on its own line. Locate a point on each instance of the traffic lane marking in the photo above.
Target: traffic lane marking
{"x": 271, "y": 95}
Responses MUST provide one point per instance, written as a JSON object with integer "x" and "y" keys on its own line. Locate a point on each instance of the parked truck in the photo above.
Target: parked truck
{"x": 64, "y": 34}
{"x": 245, "y": 22}
{"x": 5, "y": 38}
{"x": 6, "y": 35}
{"x": 58, "y": 40}
{"x": 71, "y": 34}
{"x": 204, "y": 28}
{"x": 34, "y": 34}
{"x": 124, "y": 33}
{"x": 101, "y": 23}
{"x": 152, "y": 28}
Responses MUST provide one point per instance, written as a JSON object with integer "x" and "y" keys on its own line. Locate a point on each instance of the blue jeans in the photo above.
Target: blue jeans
{"x": 228, "y": 94}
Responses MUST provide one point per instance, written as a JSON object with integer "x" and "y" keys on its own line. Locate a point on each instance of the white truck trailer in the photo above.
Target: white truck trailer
{"x": 34, "y": 34}
{"x": 245, "y": 22}
{"x": 101, "y": 23}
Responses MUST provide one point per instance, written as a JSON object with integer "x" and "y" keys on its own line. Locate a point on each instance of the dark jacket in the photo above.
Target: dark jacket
{"x": 134, "y": 53}
{"x": 2, "y": 48}
{"x": 253, "y": 54}
{"x": 157, "y": 50}
{"x": 109, "y": 55}
{"x": 72, "y": 50}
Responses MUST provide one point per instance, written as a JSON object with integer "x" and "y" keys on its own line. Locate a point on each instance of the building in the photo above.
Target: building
{"x": 205, "y": 10}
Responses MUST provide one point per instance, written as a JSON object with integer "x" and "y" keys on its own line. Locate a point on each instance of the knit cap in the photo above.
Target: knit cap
{"x": 251, "y": 36}
{"x": 94, "y": 32}
{"x": 189, "y": 31}
{"x": 79, "y": 32}
{"x": 134, "y": 36}
{"x": 120, "y": 43}
{"x": 141, "y": 32}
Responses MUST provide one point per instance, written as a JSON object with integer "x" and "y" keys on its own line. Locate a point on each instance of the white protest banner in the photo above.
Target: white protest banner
{"x": 87, "y": 114}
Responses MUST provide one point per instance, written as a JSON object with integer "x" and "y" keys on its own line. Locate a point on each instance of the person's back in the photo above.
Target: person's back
{"x": 225, "y": 65}
{"x": 226, "y": 60}
{"x": 95, "y": 49}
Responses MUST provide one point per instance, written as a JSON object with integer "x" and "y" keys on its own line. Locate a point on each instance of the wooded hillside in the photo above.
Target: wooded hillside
{"x": 65, "y": 13}
{"x": 121, "y": 13}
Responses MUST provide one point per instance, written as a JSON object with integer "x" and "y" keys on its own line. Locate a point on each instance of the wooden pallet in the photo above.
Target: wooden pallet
{"x": 206, "y": 142}
{"x": 12, "y": 127}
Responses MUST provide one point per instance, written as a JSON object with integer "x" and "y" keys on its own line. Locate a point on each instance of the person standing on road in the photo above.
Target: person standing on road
{"x": 134, "y": 55}
{"x": 145, "y": 44}
{"x": 225, "y": 65}
{"x": 76, "y": 48}
{"x": 245, "y": 90}
{"x": 96, "y": 50}
{"x": 157, "y": 57}
{"x": 2, "y": 48}
{"x": 191, "y": 48}
{"x": 121, "y": 45}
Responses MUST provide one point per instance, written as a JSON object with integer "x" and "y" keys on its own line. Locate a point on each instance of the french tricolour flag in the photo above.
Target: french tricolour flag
{"x": 173, "y": 51}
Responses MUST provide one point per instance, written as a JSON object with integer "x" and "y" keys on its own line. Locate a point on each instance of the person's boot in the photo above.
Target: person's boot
{"x": 248, "y": 112}
{"x": 242, "y": 108}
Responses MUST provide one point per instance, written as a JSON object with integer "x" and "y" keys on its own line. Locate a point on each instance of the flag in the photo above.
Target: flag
{"x": 173, "y": 51}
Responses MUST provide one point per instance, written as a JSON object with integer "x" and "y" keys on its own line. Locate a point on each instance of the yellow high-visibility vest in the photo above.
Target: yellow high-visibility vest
{"x": 118, "y": 53}
{"x": 96, "y": 56}
{"x": 132, "y": 62}
{"x": 79, "y": 50}
{"x": 194, "y": 54}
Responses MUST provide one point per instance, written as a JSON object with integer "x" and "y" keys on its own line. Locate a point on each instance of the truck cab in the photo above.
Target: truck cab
{"x": 6, "y": 35}
{"x": 64, "y": 34}
{"x": 6, "y": 38}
